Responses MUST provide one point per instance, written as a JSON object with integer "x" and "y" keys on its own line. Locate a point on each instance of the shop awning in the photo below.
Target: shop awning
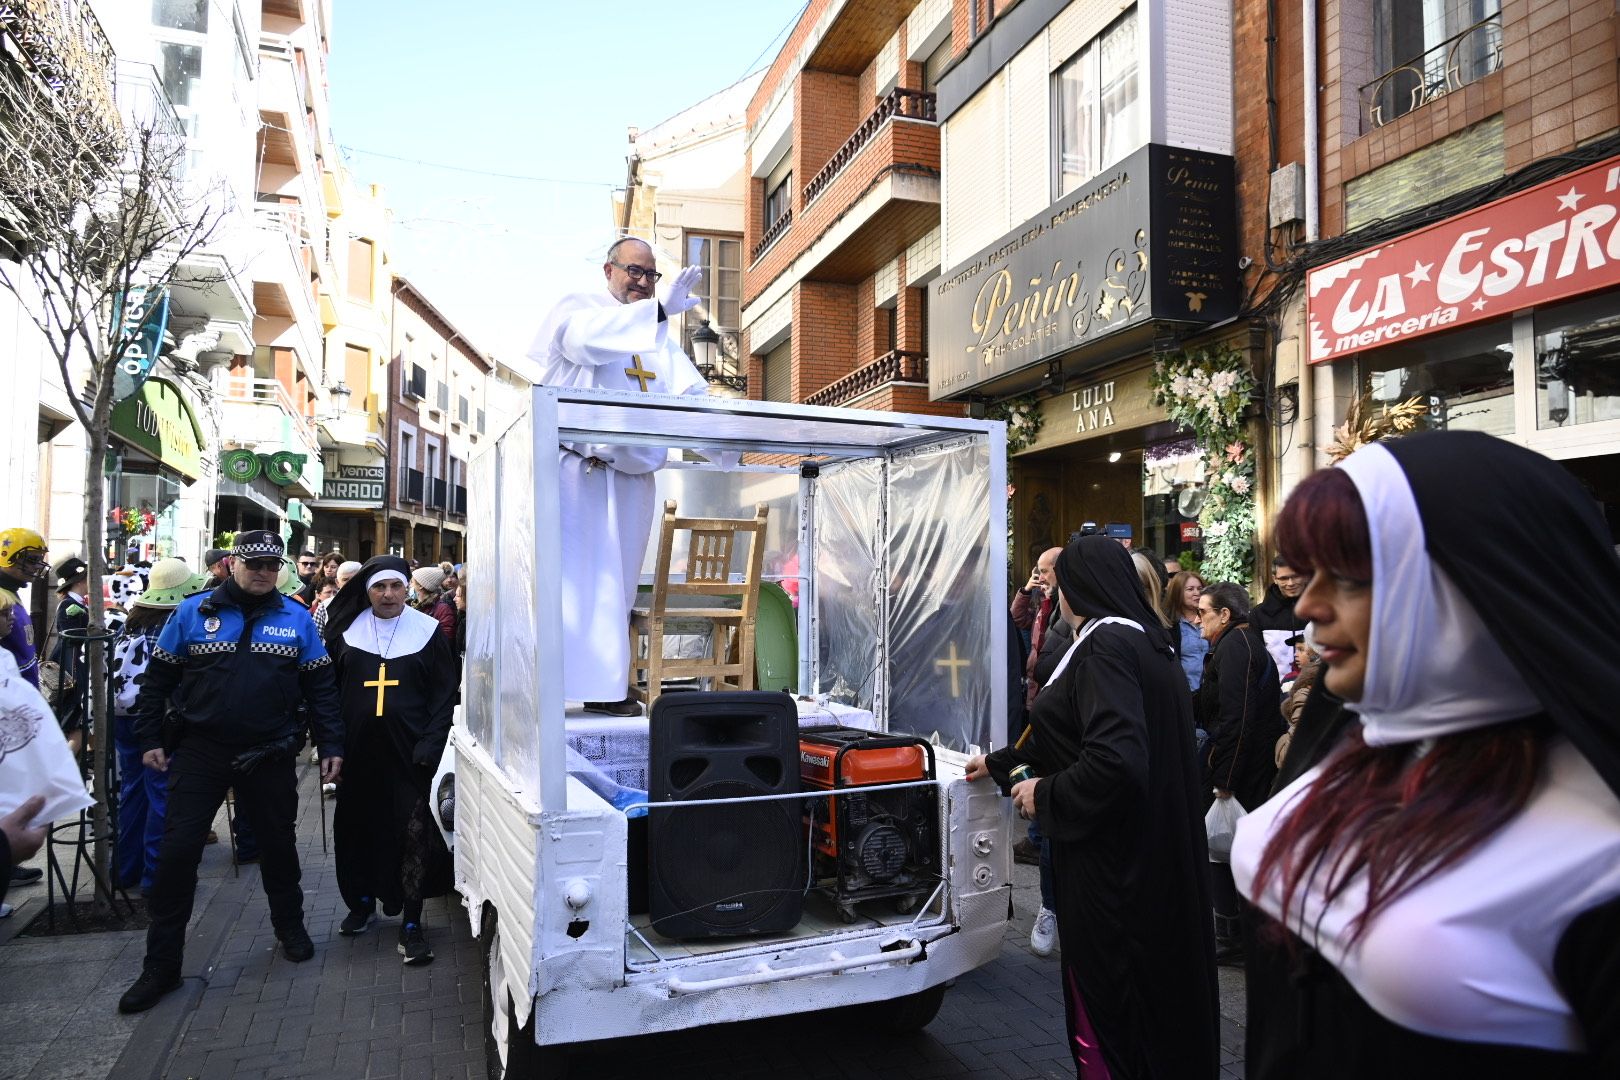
{"x": 159, "y": 422}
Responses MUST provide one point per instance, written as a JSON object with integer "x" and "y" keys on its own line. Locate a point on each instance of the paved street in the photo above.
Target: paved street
{"x": 356, "y": 1011}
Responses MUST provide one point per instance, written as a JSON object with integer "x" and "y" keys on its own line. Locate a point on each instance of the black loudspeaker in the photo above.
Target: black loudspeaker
{"x": 724, "y": 871}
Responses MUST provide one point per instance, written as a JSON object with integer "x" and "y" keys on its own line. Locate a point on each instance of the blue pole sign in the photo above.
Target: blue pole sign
{"x": 141, "y": 318}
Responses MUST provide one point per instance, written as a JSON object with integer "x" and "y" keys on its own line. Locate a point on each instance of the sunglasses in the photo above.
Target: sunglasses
{"x": 262, "y": 566}
{"x": 637, "y": 273}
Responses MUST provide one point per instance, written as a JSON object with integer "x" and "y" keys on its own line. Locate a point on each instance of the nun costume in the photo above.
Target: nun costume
{"x": 1493, "y": 602}
{"x": 1119, "y": 798}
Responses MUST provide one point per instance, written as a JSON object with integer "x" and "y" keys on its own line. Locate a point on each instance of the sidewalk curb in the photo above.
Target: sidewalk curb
{"x": 153, "y": 1042}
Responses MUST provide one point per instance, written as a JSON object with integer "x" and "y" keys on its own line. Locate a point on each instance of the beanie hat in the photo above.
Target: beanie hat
{"x": 430, "y": 578}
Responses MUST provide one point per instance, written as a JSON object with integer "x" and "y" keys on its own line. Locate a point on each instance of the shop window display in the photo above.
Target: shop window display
{"x": 1578, "y": 363}
{"x": 1465, "y": 377}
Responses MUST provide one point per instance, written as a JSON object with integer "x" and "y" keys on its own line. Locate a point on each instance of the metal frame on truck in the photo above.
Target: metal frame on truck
{"x": 898, "y": 525}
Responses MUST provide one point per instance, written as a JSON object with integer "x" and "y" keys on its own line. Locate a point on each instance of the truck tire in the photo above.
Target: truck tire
{"x": 523, "y": 1058}
{"x": 907, "y": 1015}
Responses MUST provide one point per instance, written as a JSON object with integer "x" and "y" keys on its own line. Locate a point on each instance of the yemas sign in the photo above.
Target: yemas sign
{"x": 1553, "y": 241}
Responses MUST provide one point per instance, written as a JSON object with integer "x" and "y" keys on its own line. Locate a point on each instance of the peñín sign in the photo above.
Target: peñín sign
{"x": 1151, "y": 238}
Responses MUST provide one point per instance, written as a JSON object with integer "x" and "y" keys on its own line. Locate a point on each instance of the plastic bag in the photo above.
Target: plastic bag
{"x": 1221, "y": 825}
{"x": 34, "y": 758}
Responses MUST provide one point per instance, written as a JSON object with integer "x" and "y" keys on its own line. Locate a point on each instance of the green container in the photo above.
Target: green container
{"x": 776, "y": 641}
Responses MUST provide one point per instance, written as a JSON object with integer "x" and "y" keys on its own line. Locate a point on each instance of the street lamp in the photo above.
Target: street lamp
{"x": 706, "y": 350}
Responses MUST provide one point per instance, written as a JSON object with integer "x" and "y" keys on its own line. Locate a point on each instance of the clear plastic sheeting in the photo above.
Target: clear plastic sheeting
{"x": 519, "y": 753}
{"x": 849, "y": 583}
{"x": 483, "y": 561}
{"x": 940, "y": 655}
{"x": 711, "y": 493}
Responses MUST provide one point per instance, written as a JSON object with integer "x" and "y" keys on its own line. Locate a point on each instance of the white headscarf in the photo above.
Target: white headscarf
{"x": 386, "y": 575}
{"x": 1432, "y": 666}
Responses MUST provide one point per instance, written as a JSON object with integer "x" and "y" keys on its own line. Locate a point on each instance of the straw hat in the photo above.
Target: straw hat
{"x": 170, "y": 582}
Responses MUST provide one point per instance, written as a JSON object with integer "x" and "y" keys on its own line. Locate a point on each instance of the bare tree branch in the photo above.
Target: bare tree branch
{"x": 89, "y": 215}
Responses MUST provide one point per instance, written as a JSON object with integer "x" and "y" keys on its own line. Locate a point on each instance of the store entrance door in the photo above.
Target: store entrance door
{"x": 1059, "y": 490}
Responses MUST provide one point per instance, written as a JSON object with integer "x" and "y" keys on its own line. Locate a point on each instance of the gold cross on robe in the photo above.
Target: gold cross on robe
{"x": 640, "y": 373}
{"x": 382, "y": 682}
{"x": 954, "y": 664}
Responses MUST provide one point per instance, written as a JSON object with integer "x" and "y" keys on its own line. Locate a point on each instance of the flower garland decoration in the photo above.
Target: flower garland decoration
{"x": 1205, "y": 391}
{"x": 1023, "y": 418}
{"x": 132, "y": 521}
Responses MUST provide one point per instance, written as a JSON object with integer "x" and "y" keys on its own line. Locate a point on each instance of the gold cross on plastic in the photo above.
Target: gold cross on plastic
{"x": 382, "y": 682}
{"x": 954, "y": 663}
{"x": 639, "y": 372}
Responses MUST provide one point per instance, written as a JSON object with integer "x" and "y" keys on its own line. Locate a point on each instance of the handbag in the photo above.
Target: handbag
{"x": 1220, "y": 824}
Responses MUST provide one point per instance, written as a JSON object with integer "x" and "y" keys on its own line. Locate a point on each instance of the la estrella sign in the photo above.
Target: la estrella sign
{"x": 1550, "y": 242}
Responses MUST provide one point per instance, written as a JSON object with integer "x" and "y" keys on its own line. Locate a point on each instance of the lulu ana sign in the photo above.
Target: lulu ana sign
{"x": 1553, "y": 241}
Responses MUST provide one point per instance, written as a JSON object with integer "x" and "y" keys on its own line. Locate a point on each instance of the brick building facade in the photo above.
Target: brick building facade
{"x": 841, "y": 234}
{"x": 1437, "y": 121}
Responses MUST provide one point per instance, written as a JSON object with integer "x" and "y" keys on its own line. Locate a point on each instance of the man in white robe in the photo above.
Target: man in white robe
{"x": 614, "y": 338}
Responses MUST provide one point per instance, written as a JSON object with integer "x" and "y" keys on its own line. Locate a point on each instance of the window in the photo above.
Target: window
{"x": 778, "y": 368}
{"x": 357, "y": 375}
{"x": 359, "y": 285}
{"x": 720, "y": 287}
{"x": 181, "y": 15}
{"x": 779, "y": 200}
{"x": 181, "y": 71}
{"x": 1096, "y": 106}
{"x": 1465, "y": 376}
{"x": 463, "y": 409}
{"x": 1425, "y": 48}
{"x": 1577, "y": 363}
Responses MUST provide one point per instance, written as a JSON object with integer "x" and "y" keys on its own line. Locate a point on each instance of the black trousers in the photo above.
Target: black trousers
{"x": 267, "y": 798}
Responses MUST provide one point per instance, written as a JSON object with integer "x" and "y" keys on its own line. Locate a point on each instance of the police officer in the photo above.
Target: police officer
{"x": 234, "y": 663}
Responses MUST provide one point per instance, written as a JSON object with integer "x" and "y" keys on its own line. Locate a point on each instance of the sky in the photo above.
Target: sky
{"x": 541, "y": 92}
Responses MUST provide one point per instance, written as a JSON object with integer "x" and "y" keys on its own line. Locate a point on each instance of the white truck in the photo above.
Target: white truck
{"x": 892, "y": 530}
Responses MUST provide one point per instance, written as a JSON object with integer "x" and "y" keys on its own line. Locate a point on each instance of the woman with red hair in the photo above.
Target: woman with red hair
{"x": 1438, "y": 893}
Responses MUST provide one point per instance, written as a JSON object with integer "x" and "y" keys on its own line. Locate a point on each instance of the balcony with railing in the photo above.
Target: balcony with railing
{"x": 881, "y": 187}
{"x": 286, "y": 130}
{"x": 283, "y": 270}
{"x": 437, "y": 493}
{"x": 772, "y": 233}
{"x": 260, "y": 415}
{"x": 891, "y": 367}
{"x": 62, "y": 45}
{"x": 1463, "y": 58}
{"x": 410, "y": 485}
{"x": 897, "y": 103}
{"x": 458, "y": 501}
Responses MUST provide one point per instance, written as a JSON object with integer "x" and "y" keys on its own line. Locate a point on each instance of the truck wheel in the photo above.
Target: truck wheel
{"x": 510, "y": 1052}
{"x": 907, "y": 1015}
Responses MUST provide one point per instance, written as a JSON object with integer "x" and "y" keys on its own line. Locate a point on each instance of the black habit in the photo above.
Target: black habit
{"x": 1119, "y": 800}
{"x": 397, "y": 713}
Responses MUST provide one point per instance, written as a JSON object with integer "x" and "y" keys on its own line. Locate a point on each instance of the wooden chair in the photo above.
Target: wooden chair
{"x": 730, "y": 662}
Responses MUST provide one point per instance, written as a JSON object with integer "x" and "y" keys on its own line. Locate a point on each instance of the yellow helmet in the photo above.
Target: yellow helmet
{"x": 16, "y": 544}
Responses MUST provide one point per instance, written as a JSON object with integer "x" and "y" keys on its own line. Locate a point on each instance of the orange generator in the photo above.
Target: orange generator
{"x": 870, "y": 845}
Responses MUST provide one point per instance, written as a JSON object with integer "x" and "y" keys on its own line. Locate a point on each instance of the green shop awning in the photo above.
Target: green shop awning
{"x": 158, "y": 422}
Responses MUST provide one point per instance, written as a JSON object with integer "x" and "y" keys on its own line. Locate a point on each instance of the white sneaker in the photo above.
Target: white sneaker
{"x": 1043, "y": 937}
{"x": 6, "y": 910}
{"x": 328, "y": 789}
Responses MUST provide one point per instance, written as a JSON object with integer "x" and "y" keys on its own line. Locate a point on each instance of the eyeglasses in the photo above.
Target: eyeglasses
{"x": 262, "y": 566}
{"x": 637, "y": 273}
{"x": 1292, "y": 579}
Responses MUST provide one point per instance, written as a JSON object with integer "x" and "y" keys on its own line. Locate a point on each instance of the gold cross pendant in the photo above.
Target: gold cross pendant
{"x": 640, "y": 373}
{"x": 382, "y": 682}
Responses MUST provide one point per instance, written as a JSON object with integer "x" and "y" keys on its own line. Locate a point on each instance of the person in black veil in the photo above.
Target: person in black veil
{"x": 1115, "y": 789}
{"x": 397, "y": 682}
{"x": 1438, "y": 892}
